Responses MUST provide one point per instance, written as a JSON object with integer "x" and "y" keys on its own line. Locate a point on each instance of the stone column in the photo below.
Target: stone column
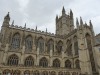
{"x": 51, "y": 53}
{"x": 37, "y": 58}
{"x": 5, "y": 53}
{"x": 22, "y": 56}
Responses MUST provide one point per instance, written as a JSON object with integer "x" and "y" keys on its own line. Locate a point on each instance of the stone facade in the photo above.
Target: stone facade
{"x": 25, "y": 51}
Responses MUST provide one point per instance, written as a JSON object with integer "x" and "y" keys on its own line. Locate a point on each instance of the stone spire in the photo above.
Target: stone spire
{"x": 12, "y": 22}
{"x": 6, "y": 21}
{"x": 81, "y": 21}
{"x": 91, "y": 24}
{"x": 56, "y": 18}
{"x": 63, "y": 11}
{"x": 77, "y": 23}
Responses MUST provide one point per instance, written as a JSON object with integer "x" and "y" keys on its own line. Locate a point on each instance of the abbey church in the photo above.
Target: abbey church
{"x": 70, "y": 51}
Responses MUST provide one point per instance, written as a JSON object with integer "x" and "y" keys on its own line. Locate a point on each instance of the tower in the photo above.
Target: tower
{"x": 64, "y": 23}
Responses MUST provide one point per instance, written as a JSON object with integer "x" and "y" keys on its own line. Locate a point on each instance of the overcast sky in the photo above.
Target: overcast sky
{"x": 43, "y": 12}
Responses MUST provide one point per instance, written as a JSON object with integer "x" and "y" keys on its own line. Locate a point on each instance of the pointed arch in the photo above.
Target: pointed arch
{"x": 68, "y": 64}
{"x": 53, "y": 73}
{"x": 60, "y": 73}
{"x": 77, "y": 64}
{"x": 15, "y": 41}
{"x": 44, "y": 73}
{"x": 43, "y": 62}
{"x": 36, "y": 72}
{"x": 13, "y": 60}
{"x": 6, "y": 72}
{"x": 29, "y": 61}
{"x": 89, "y": 46}
{"x": 41, "y": 44}
{"x": 27, "y": 72}
{"x": 50, "y": 45}
{"x": 59, "y": 46}
{"x": 28, "y": 43}
{"x": 56, "y": 63}
{"x": 75, "y": 45}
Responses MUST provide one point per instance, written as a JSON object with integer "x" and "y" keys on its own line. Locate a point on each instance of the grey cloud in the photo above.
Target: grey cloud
{"x": 43, "y": 13}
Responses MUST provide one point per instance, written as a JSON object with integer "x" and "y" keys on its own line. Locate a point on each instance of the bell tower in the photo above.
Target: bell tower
{"x": 64, "y": 23}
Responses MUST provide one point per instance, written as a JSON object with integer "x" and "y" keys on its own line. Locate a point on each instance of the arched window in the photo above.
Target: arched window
{"x": 27, "y": 72}
{"x": 13, "y": 60}
{"x": 29, "y": 61}
{"x": 69, "y": 48}
{"x": 44, "y": 73}
{"x": 60, "y": 73}
{"x": 67, "y": 73}
{"x": 77, "y": 64}
{"x": 41, "y": 45}
{"x": 53, "y": 73}
{"x": 16, "y": 41}
{"x": 43, "y": 62}
{"x": 68, "y": 64}
{"x": 59, "y": 46}
{"x": 28, "y": 43}
{"x": 56, "y": 63}
{"x": 75, "y": 45}
{"x": 16, "y": 72}
{"x": 74, "y": 73}
{"x": 50, "y": 45}
{"x": 36, "y": 73}
{"x": 89, "y": 46}
{"x": 6, "y": 72}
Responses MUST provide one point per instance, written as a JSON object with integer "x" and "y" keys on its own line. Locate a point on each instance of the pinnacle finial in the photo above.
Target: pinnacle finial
{"x": 25, "y": 25}
{"x": 63, "y": 11}
{"x": 46, "y": 29}
{"x": 81, "y": 21}
{"x": 13, "y": 22}
{"x": 71, "y": 14}
{"x": 91, "y": 24}
{"x": 36, "y": 27}
{"x": 77, "y": 23}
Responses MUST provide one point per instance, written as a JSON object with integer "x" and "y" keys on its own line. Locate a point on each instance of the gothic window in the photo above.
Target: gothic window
{"x": 36, "y": 73}
{"x": 74, "y": 73}
{"x": 56, "y": 63}
{"x": 45, "y": 73}
{"x": 67, "y": 73}
{"x": 16, "y": 72}
{"x": 89, "y": 46}
{"x": 43, "y": 62}
{"x": 68, "y": 64}
{"x": 50, "y": 45}
{"x": 60, "y": 73}
{"x": 28, "y": 43}
{"x": 69, "y": 50}
{"x": 69, "y": 47}
{"x": 41, "y": 45}
{"x": 29, "y": 61}
{"x": 13, "y": 60}
{"x": 6, "y": 72}
{"x": 27, "y": 72}
{"x": 75, "y": 45}
{"x": 77, "y": 64}
{"x": 16, "y": 41}
{"x": 53, "y": 73}
{"x": 59, "y": 46}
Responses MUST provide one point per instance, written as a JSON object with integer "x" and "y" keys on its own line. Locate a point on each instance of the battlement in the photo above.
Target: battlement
{"x": 32, "y": 30}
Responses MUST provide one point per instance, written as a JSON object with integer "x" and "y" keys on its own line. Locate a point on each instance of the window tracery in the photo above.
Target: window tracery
{"x": 29, "y": 61}
{"x": 68, "y": 64}
{"x": 56, "y": 63}
{"x": 13, "y": 60}
{"x": 43, "y": 62}
{"x": 15, "y": 41}
{"x": 28, "y": 43}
